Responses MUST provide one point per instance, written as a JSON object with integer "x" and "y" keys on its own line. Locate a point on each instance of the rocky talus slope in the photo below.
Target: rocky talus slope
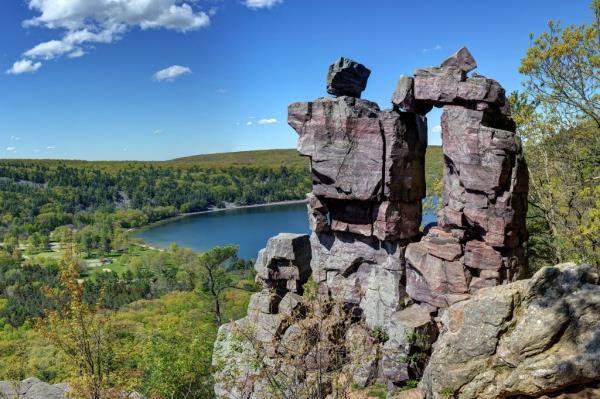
{"x": 368, "y": 298}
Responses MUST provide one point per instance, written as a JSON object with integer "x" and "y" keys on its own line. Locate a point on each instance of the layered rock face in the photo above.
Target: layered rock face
{"x": 481, "y": 226}
{"x": 379, "y": 284}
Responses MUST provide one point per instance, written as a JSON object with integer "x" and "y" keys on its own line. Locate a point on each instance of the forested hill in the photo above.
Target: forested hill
{"x": 261, "y": 158}
{"x": 37, "y": 196}
{"x": 254, "y": 159}
{"x": 288, "y": 158}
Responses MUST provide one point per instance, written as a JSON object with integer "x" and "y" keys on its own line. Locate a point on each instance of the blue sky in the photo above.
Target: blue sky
{"x": 93, "y": 88}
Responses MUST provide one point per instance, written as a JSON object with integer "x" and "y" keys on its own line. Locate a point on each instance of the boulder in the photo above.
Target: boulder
{"x": 532, "y": 338}
{"x": 318, "y": 219}
{"x": 437, "y": 85}
{"x": 347, "y": 78}
{"x": 433, "y": 280}
{"x": 284, "y": 264}
{"x": 234, "y": 363}
{"x": 291, "y": 305}
{"x": 32, "y": 388}
{"x": 396, "y": 220}
{"x": 410, "y": 333}
{"x": 265, "y": 301}
{"x": 462, "y": 60}
{"x": 405, "y": 138}
{"x": 363, "y": 355}
{"x": 479, "y": 255}
{"x": 404, "y": 97}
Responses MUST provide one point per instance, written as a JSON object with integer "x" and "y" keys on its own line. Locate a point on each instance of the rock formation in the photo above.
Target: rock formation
{"x": 378, "y": 289}
{"x": 530, "y": 338}
{"x": 33, "y": 388}
{"x": 481, "y": 227}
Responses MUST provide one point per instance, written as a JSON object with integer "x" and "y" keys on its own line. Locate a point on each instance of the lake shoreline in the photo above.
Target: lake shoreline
{"x": 215, "y": 210}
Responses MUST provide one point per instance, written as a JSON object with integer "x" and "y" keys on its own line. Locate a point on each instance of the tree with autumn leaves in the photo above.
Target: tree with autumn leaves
{"x": 86, "y": 337}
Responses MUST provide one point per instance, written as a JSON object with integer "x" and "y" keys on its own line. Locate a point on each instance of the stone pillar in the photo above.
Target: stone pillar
{"x": 367, "y": 168}
{"x": 481, "y": 225}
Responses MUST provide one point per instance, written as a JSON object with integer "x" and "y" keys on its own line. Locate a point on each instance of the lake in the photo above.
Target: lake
{"x": 250, "y": 228}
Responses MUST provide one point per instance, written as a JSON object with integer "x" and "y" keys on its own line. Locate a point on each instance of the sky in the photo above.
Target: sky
{"x": 160, "y": 79}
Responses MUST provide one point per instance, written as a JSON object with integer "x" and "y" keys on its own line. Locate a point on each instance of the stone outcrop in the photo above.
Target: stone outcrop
{"x": 531, "y": 338}
{"x": 377, "y": 285}
{"x": 32, "y": 388}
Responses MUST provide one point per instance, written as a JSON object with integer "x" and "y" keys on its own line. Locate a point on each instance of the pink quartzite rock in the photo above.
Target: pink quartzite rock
{"x": 347, "y": 78}
{"x": 462, "y": 60}
{"x": 479, "y": 255}
{"x": 374, "y": 279}
{"x": 397, "y": 220}
{"x": 317, "y": 214}
{"x": 361, "y": 158}
{"x": 404, "y": 97}
{"x": 342, "y": 137}
{"x": 433, "y": 280}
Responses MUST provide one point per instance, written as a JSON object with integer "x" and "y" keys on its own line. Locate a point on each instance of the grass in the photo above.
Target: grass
{"x": 434, "y": 164}
{"x": 263, "y": 158}
{"x": 117, "y": 266}
{"x": 378, "y": 391}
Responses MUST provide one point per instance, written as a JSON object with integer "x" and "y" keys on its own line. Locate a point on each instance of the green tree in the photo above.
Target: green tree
{"x": 558, "y": 118}
{"x": 563, "y": 66}
{"x": 215, "y": 278}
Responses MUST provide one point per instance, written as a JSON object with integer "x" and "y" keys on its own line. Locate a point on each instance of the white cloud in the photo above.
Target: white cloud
{"x": 86, "y": 22}
{"x": 48, "y": 50}
{"x": 15, "y": 138}
{"x": 267, "y": 121}
{"x": 180, "y": 18}
{"x": 77, "y": 53}
{"x": 248, "y": 123}
{"x": 436, "y": 129}
{"x": 437, "y": 47}
{"x": 24, "y": 66}
{"x": 256, "y": 4}
{"x": 157, "y": 131}
{"x": 170, "y": 73}
{"x": 11, "y": 149}
{"x": 50, "y": 147}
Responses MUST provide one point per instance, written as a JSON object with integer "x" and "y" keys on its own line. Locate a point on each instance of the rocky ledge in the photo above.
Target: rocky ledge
{"x": 526, "y": 339}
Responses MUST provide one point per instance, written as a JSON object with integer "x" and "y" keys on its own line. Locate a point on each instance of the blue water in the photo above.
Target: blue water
{"x": 250, "y": 228}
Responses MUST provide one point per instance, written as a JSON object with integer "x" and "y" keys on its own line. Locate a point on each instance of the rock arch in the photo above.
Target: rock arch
{"x": 368, "y": 183}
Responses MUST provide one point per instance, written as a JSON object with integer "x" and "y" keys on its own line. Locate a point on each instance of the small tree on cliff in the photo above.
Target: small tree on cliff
{"x": 215, "y": 277}
{"x": 84, "y": 333}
